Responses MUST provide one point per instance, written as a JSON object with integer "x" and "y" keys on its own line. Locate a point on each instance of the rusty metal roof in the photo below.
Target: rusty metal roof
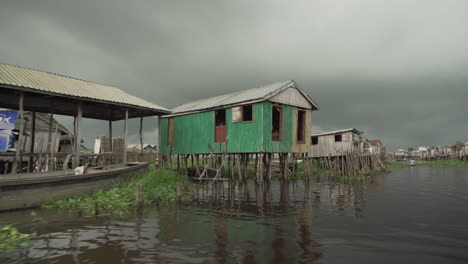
{"x": 257, "y": 94}
{"x": 51, "y": 83}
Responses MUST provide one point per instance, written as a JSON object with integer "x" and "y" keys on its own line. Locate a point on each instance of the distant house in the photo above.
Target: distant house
{"x": 146, "y": 148}
{"x": 401, "y": 154}
{"x": 274, "y": 118}
{"x": 376, "y": 147}
{"x": 338, "y": 143}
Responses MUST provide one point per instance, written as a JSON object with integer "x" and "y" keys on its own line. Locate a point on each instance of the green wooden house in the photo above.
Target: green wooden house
{"x": 274, "y": 118}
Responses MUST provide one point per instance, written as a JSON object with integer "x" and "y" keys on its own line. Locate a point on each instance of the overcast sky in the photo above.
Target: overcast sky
{"x": 397, "y": 70}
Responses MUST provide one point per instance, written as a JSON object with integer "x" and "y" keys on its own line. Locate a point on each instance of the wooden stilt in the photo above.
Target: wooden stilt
{"x": 239, "y": 166}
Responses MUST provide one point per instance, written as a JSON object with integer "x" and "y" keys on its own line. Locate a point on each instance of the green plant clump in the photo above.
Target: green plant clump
{"x": 445, "y": 164}
{"x": 11, "y": 239}
{"x": 156, "y": 185}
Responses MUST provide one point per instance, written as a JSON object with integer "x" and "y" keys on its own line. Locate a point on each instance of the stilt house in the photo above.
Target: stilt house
{"x": 338, "y": 143}
{"x": 274, "y": 118}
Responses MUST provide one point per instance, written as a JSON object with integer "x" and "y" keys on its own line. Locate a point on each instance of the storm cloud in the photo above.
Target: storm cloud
{"x": 398, "y": 70}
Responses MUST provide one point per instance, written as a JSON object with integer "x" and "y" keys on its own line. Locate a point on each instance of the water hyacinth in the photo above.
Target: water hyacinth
{"x": 157, "y": 185}
{"x": 11, "y": 239}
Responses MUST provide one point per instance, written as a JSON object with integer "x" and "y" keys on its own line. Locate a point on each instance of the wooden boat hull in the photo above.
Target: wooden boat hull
{"x": 30, "y": 190}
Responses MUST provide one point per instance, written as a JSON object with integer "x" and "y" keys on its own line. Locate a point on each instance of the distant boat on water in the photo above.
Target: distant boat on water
{"x": 412, "y": 162}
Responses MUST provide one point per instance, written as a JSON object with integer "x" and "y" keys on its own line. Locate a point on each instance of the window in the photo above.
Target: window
{"x": 300, "y": 136}
{"x": 338, "y": 138}
{"x": 247, "y": 113}
{"x": 242, "y": 113}
{"x": 170, "y": 131}
{"x": 220, "y": 126}
{"x": 314, "y": 140}
{"x": 277, "y": 123}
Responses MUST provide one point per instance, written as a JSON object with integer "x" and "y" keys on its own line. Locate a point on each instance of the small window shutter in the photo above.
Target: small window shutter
{"x": 237, "y": 114}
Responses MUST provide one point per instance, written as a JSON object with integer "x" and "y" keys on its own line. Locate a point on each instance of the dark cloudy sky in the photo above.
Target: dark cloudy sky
{"x": 397, "y": 69}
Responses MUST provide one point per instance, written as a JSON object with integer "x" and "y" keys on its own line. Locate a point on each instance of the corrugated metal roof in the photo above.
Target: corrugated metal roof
{"x": 63, "y": 85}
{"x": 259, "y": 93}
{"x": 338, "y": 131}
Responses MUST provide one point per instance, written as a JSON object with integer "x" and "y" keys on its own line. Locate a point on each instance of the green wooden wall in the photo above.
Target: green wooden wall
{"x": 194, "y": 133}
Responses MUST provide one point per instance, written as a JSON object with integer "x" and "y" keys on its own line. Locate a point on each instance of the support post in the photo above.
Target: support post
{"x": 49, "y": 140}
{"x": 141, "y": 134}
{"x": 20, "y": 136}
{"x": 125, "y": 137}
{"x": 159, "y": 143}
{"x": 33, "y": 141}
{"x": 79, "y": 115}
{"x": 111, "y": 143}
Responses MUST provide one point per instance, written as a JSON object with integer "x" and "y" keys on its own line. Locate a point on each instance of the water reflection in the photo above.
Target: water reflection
{"x": 304, "y": 221}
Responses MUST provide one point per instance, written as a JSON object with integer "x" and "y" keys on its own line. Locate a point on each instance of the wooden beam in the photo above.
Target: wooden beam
{"x": 79, "y": 115}
{"x": 141, "y": 134}
{"x": 20, "y": 136}
{"x": 125, "y": 137}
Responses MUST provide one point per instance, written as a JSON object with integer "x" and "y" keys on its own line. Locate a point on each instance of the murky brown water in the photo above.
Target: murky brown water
{"x": 412, "y": 215}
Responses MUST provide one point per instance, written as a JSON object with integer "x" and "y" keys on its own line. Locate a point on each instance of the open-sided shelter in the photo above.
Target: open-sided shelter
{"x": 32, "y": 90}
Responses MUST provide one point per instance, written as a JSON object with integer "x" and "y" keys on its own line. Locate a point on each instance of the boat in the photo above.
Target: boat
{"x": 29, "y": 190}
{"x": 412, "y": 162}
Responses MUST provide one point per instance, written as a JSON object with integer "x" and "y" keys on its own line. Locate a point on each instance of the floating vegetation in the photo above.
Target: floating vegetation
{"x": 432, "y": 163}
{"x": 156, "y": 186}
{"x": 11, "y": 239}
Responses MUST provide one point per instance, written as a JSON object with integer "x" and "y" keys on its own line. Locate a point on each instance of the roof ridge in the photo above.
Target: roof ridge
{"x": 238, "y": 92}
{"x": 57, "y": 74}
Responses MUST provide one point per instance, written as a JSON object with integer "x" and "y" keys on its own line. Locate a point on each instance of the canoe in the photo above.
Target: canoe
{"x": 28, "y": 190}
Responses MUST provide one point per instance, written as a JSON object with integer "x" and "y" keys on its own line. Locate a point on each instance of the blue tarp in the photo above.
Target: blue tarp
{"x": 7, "y": 123}
{"x": 8, "y": 119}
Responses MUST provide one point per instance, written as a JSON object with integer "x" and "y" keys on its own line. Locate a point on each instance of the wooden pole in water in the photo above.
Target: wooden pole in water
{"x": 262, "y": 166}
{"x": 256, "y": 167}
{"x": 179, "y": 192}
{"x": 269, "y": 166}
{"x": 79, "y": 114}
{"x": 126, "y": 137}
{"x": 20, "y": 136}
{"x": 138, "y": 196}
{"x": 178, "y": 162}
{"x": 239, "y": 166}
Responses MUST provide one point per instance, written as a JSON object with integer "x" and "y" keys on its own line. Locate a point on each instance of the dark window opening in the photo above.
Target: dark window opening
{"x": 277, "y": 123}
{"x": 314, "y": 140}
{"x": 220, "y": 117}
{"x": 170, "y": 132}
{"x": 247, "y": 113}
{"x": 338, "y": 138}
{"x": 220, "y": 126}
{"x": 300, "y": 126}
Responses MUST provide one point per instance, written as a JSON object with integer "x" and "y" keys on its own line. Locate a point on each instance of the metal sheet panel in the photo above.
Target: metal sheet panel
{"x": 62, "y": 85}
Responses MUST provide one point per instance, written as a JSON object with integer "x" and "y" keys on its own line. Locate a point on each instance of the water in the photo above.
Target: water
{"x": 411, "y": 215}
